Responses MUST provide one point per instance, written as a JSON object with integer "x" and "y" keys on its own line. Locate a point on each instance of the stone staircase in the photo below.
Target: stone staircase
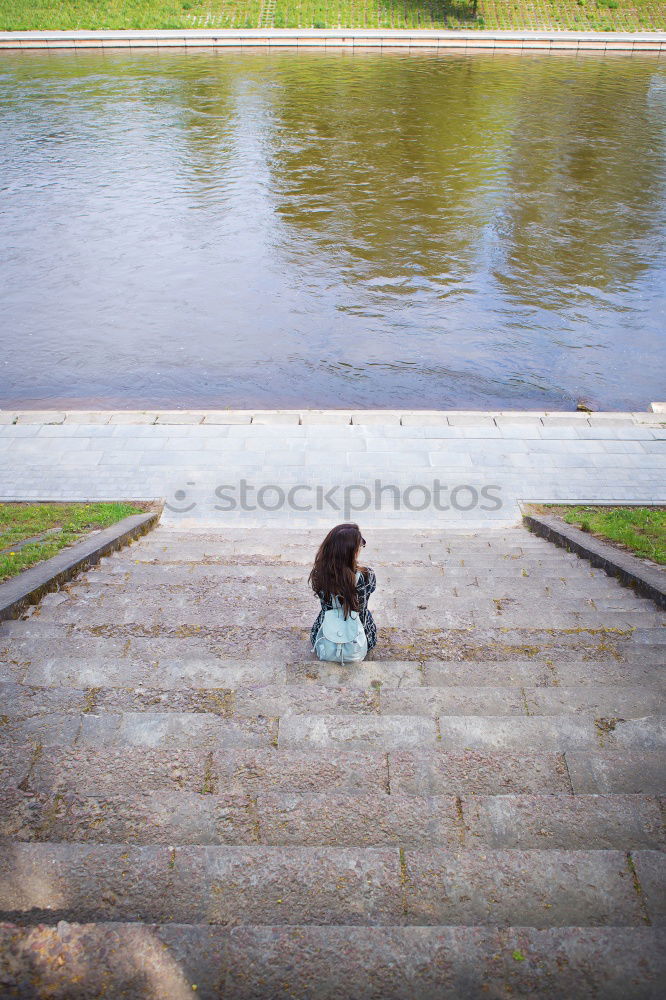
{"x": 193, "y": 806}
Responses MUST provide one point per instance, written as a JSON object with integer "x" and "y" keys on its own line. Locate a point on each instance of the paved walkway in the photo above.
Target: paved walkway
{"x": 311, "y": 468}
{"x": 418, "y": 39}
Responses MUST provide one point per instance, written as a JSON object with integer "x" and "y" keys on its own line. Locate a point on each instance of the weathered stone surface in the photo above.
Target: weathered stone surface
{"x": 476, "y": 772}
{"x": 549, "y": 733}
{"x": 369, "y": 673}
{"x": 154, "y": 729}
{"x": 428, "y": 701}
{"x": 648, "y": 733}
{"x": 138, "y": 670}
{"x": 449, "y": 963}
{"x": 378, "y": 963}
{"x": 617, "y": 771}
{"x": 373, "y": 819}
{"x": 54, "y": 729}
{"x": 147, "y": 818}
{"x": 14, "y": 765}
{"x": 109, "y": 770}
{"x": 628, "y": 702}
{"x": 480, "y": 787}
{"x": 126, "y": 961}
{"x": 562, "y": 963}
{"x": 114, "y": 960}
{"x": 571, "y": 822}
{"x": 21, "y": 701}
{"x": 650, "y": 877}
{"x": 49, "y": 882}
{"x": 305, "y": 699}
{"x": 303, "y": 885}
{"x": 540, "y": 672}
{"x": 330, "y": 818}
{"x": 356, "y": 732}
{"x": 533, "y": 888}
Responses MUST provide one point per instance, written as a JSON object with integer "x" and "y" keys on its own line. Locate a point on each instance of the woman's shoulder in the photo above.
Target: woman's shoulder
{"x": 367, "y": 575}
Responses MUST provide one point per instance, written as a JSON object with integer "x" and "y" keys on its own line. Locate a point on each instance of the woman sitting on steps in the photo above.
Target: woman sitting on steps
{"x": 344, "y": 629}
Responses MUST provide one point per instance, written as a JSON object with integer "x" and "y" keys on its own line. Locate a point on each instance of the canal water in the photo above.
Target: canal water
{"x": 285, "y": 230}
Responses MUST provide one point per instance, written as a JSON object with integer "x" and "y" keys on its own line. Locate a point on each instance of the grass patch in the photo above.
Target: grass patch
{"x": 641, "y": 530}
{"x": 566, "y": 15}
{"x": 31, "y": 532}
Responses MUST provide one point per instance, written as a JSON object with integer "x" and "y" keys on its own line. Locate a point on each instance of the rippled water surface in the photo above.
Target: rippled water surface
{"x": 332, "y": 230}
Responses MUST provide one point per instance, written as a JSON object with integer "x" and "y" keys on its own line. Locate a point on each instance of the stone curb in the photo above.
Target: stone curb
{"x": 629, "y": 570}
{"x": 543, "y": 41}
{"x": 406, "y": 417}
{"x": 30, "y": 586}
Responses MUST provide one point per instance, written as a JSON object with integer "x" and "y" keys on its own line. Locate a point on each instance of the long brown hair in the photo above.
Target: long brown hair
{"x": 334, "y": 570}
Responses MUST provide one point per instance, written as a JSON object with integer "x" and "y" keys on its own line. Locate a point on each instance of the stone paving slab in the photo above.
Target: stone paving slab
{"x": 476, "y": 772}
{"x": 570, "y": 822}
{"x": 356, "y": 732}
{"x": 540, "y": 888}
{"x": 622, "y": 771}
{"x": 650, "y": 867}
{"x": 115, "y": 960}
{"x": 252, "y": 771}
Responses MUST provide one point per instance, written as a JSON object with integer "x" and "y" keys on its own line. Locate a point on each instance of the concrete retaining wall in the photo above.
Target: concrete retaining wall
{"x": 538, "y": 41}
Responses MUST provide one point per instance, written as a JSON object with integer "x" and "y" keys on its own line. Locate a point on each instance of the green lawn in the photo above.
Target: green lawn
{"x": 598, "y": 15}
{"x": 642, "y": 530}
{"x": 64, "y": 522}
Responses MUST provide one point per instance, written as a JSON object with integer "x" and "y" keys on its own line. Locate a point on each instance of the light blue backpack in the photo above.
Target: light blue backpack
{"x": 339, "y": 639}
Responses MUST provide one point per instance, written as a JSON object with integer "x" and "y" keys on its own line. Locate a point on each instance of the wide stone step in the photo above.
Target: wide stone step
{"x": 463, "y": 593}
{"x": 110, "y": 770}
{"x": 142, "y": 573}
{"x": 188, "y": 674}
{"x": 17, "y": 642}
{"x": 197, "y": 547}
{"x": 261, "y": 612}
{"x": 561, "y": 732}
{"x": 391, "y": 963}
{"x": 337, "y": 819}
{"x": 278, "y": 535}
{"x": 346, "y": 732}
{"x": 23, "y": 701}
{"x": 273, "y": 567}
{"x": 434, "y": 597}
{"x": 328, "y": 886}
